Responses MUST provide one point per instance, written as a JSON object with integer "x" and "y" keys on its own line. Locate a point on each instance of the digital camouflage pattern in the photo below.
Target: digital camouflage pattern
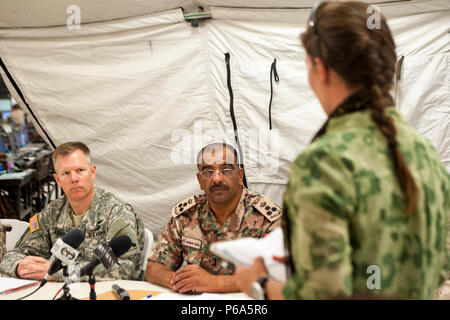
{"x": 107, "y": 218}
{"x": 345, "y": 210}
{"x": 193, "y": 227}
{"x": 2, "y": 241}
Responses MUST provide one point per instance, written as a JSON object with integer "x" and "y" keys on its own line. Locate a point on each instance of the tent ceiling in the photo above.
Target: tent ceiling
{"x": 46, "y": 13}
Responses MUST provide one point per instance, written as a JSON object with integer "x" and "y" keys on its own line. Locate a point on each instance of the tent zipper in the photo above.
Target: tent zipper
{"x": 273, "y": 71}
{"x": 233, "y": 117}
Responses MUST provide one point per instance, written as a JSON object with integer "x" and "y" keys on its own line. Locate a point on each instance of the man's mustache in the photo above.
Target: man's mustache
{"x": 218, "y": 186}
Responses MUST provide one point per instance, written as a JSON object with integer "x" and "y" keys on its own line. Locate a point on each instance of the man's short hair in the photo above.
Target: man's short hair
{"x": 67, "y": 148}
{"x": 216, "y": 146}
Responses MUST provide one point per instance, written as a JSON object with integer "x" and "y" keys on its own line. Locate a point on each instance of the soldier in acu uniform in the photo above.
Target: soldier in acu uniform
{"x": 99, "y": 214}
{"x": 368, "y": 200}
{"x": 181, "y": 260}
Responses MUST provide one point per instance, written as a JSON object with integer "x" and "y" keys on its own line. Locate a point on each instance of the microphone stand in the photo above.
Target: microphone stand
{"x": 66, "y": 291}
{"x": 92, "y": 294}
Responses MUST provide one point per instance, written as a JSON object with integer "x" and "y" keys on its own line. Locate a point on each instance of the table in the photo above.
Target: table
{"x": 81, "y": 290}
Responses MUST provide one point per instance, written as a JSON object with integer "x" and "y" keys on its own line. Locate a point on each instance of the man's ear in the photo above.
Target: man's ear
{"x": 93, "y": 170}
{"x": 55, "y": 176}
{"x": 200, "y": 181}
{"x": 241, "y": 176}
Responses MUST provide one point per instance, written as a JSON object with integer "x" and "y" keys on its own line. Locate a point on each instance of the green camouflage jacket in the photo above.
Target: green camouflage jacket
{"x": 349, "y": 235}
{"x": 2, "y": 241}
{"x": 193, "y": 227}
{"x": 107, "y": 218}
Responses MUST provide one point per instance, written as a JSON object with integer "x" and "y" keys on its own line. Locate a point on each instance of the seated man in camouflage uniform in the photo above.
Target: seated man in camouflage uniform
{"x": 99, "y": 214}
{"x": 181, "y": 259}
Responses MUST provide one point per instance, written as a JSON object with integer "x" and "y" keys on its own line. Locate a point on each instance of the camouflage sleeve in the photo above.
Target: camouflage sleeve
{"x": 320, "y": 198}
{"x": 36, "y": 243}
{"x": 123, "y": 221}
{"x": 2, "y": 241}
{"x": 168, "y": 250}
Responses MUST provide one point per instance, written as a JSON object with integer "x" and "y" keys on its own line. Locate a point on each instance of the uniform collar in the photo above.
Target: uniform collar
{"x": 90, "y": 218}
{"x": 356, "y": 102}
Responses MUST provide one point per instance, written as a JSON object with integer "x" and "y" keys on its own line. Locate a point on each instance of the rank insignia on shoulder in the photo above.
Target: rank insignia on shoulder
{"x": 34, "y": 223}
{"x": 267, "y": 208}
{"x": 183, "y": 206}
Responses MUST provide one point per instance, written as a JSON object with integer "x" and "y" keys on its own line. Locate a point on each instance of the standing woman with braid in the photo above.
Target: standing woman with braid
{"x": 368, "y": 200}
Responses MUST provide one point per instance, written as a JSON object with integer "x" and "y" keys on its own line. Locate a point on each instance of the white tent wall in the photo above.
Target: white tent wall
{"x": 147, "y": 93}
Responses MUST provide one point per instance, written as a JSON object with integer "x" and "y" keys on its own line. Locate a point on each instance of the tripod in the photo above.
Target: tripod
{"x": 66, "y": 291}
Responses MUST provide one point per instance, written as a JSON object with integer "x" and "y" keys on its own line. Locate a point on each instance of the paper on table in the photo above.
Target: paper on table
{"x": 243, "y": 251}
{"x": 8, "y": 285}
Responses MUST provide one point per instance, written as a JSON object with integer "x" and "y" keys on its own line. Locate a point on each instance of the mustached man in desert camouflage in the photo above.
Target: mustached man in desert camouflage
{"x": 99, "y": 214}
{"x": 181, "y": 259}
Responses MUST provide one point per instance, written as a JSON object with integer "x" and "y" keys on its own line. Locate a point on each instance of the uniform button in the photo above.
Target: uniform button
{"x": 267, "y": 208}
{"x": 185, "y": 204}
{"x": 269, "y": 212}
{"x": 181, "y": 209}
{"x": 274, "y": 209}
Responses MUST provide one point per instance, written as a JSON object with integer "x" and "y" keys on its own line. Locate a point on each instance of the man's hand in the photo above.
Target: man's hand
{"x": 193, "y": 277}
{"x": 246, "y": 275}
{"x": 33, "y": 268}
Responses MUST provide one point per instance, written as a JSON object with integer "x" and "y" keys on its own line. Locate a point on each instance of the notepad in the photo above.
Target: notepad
{"x": 8, "y": 285}
{"x": 243, "y": 251}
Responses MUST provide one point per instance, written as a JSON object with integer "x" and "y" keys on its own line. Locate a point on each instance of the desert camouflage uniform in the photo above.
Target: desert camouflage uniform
{"x": 193, "y": 227}
{"x": 107, "y": 218}
{"x": 345, "y": 210}
{"x": 2, "y": 241}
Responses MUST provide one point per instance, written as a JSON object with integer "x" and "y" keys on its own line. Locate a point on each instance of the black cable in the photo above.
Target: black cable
{"x": 59, "y": 291}
{"x": 40, "y": 286}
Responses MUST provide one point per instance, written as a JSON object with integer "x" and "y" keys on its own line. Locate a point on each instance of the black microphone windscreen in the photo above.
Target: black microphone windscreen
{"x": 74, "y": 238}
{"x": 120, "y": 244}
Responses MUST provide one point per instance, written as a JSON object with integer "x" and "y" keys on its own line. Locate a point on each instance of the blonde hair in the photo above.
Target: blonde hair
{"x": 67, "y": 148}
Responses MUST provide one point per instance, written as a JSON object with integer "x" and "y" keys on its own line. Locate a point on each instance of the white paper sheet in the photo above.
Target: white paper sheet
{"x": 8, "y": 285}
{"x": 243, "y": 251}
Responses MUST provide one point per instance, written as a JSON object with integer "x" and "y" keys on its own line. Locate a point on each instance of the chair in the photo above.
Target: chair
{"x": 17, "y": 229}
{"x": 148, "y": 246}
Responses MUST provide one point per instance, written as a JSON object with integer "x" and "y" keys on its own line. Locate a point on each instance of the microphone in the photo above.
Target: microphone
{"x": 123, "y": 295}
{"x": 64, "y": 251}
{"x": 107, "y": 254}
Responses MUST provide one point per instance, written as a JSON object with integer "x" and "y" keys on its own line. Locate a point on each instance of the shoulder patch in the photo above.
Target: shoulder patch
{"x": 34, "y": 223}
{"x": 183, "y": 206}
{"x": 267, "y": 208}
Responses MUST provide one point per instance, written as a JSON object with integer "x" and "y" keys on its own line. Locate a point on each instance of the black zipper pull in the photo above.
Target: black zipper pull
{"x": 273, "y": 71}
